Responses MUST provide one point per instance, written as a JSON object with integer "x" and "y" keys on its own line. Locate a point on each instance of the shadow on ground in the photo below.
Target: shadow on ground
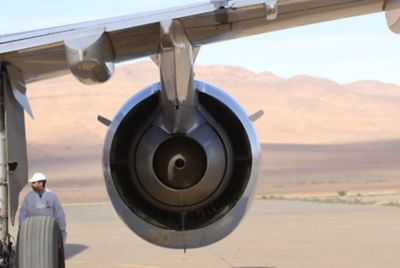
{"x": 73, "y": 249}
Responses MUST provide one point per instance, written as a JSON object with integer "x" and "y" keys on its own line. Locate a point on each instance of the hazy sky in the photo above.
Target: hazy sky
{"x": 344, "y": 51}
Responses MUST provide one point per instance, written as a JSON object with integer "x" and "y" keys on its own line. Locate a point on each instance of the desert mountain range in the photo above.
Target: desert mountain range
{"x": 302, "y": 109}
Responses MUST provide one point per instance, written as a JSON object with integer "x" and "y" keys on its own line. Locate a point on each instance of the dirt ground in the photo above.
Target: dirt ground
{"x": 274, "y": 234}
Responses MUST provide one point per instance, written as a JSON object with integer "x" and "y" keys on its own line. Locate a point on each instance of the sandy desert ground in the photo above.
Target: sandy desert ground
{"x": 321, "y": 142}
{"x": 275, "y": 234}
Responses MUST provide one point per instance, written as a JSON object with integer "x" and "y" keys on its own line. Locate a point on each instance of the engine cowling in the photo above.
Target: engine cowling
{"x": 175, "y": 190}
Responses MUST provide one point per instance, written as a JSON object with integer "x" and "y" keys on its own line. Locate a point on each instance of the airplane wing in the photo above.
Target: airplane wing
{"x": 44, "y": 53}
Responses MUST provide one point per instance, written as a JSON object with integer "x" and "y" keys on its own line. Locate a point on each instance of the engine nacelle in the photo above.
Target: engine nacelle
{"x": 175, "y": 190}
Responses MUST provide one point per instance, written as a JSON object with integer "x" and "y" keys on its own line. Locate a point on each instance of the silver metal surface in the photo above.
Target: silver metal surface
{"x": 393, "y": 15}
{"x": 19, "y": 88}
{"x": 41, "y": 54}
{"x": 176, "y": 58}
{"x": 5, "y": 191}
{"x": 208, "y": 184}
{"x": 215, "y": 229}
{"x": 104, "y": 120}
{"x": 271, "y": 9}
{"x": 90, "y": 58}
{"x": 26, "y": 40}
{"x": 393, "y": 20}
{"x": 3, "y": 161}
{"x": 16, "y": 139}
{"x": 257, "y": 115}
{"x": 222, "y": 3}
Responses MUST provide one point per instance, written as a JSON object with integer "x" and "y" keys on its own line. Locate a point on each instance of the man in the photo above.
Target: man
{"x": 42, "y": 202}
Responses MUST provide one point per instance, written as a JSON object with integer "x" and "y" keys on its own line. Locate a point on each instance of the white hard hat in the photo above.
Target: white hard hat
{"x": 37, "y": 177}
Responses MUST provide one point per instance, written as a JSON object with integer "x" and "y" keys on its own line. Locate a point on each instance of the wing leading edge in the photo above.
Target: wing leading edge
{"x": 51, "y": 52}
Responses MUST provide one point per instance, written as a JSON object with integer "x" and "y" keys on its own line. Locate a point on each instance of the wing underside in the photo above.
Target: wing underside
{"x": 42, "y": 54}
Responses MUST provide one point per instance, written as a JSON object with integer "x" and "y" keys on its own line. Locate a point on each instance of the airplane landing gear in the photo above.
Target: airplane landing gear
{"x": 40, "y": 244}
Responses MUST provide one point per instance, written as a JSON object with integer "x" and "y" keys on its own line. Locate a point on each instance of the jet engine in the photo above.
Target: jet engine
{"x": 181, "y": 190}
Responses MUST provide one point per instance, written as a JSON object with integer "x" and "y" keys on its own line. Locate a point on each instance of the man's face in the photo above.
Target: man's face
{"x": 37, "y": 185}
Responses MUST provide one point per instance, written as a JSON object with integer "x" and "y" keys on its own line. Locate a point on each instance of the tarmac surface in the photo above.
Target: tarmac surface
{"x": 275, "y": 234}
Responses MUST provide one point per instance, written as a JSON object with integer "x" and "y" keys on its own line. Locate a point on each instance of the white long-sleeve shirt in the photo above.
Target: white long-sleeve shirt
{"x": 47, "y": 205}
